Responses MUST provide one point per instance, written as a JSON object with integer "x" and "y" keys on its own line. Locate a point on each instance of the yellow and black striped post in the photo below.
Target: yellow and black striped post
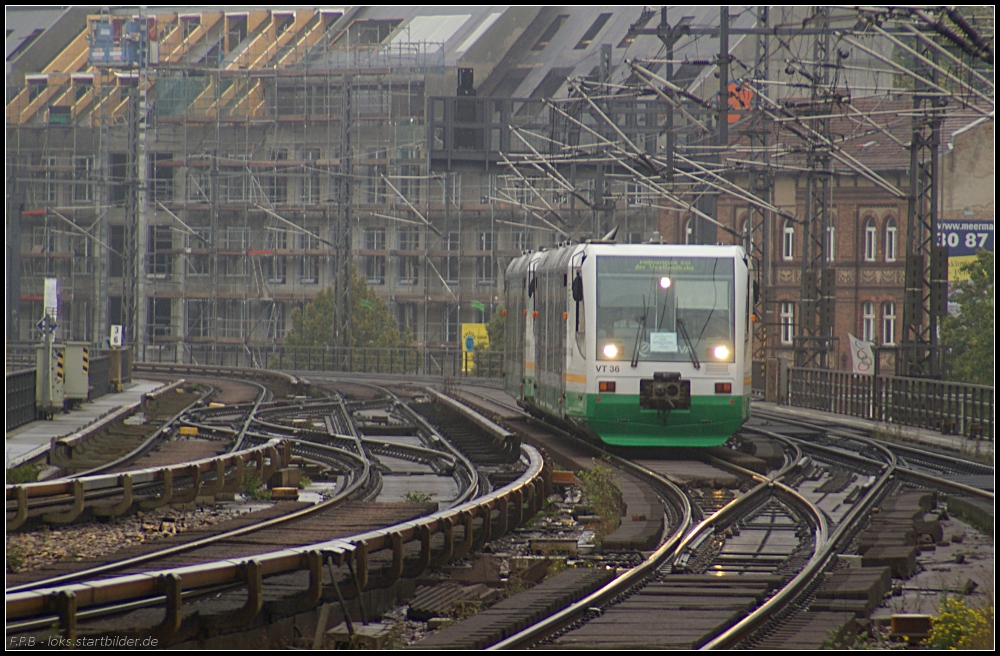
{"x": 60, "y": 366}
{"x": 86, "y": 361}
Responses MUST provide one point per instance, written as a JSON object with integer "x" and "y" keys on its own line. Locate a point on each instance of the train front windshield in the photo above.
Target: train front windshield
{"x": 665, "y": 309}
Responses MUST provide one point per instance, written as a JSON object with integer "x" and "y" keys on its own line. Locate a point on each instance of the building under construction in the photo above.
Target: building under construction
{"x": 195, "y": 174}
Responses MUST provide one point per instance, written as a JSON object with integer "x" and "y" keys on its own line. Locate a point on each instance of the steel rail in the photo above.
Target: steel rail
{"x": 51, "y": 602}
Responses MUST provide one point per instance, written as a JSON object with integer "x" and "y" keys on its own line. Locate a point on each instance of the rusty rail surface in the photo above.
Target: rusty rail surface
{"x": 513, "y": 505}
{"x": 266, "y": 459}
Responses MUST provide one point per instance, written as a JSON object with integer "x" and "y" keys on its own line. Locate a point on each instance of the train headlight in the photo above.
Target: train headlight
{"x": 610, "y": 351}
{"x": 720, "y": 352}
{"x": 665, "y": 282}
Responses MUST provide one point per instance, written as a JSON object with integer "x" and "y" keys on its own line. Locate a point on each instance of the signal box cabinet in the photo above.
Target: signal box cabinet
{"x": 49, "y": 404}
{"x": 77, "y": 382}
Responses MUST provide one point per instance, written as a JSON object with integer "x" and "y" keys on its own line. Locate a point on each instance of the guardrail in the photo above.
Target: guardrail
{"x": 513, "y": 504}
{"x": 20, "y": 398}
{"x": 951, "y": 408}
{"x": 100, "y": 377}
{"x": 452, "y": 362}
{"x": 266, "y": 458}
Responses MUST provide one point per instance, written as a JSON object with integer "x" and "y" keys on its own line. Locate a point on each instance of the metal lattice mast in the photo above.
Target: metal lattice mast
{"x": 133, "y": 269}
{"x": 761, "y": 183}
{"x": 815, "y": 320}
{"x": 130, "y": 246}
{"x": 926, "y": 275}
{"x": 343, "y": 251}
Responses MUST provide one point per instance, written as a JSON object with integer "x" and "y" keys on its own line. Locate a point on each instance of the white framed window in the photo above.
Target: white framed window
{"x": 50, "y": 191}
{"x": 231, "y": 318}
{"x": 634, "y": 194}
{"x": 308, "y": 242}
{"x": 451, "y": 265}
{"x": 406, "y": 317}
{"x": 274, "y": 269}
{"x": 276, "y": 239}
{"x": 890, "y": 240}
{"x": 408, "y": 239}
{"x": 199, "y": 317}
{"x": 237, "y": 187}
{"x": 237, "y": 239}
{"x": 484, "y": 271}
{"x": 199, "y": 264}
{"x": 788, "y": 240}
{"x": 83, "y": 171}
{"x": 273, "y": 320}
{"x": 199, "y": 186}
{"x": 310, "y": 189}
{"x": 787, "y": 322}
{"x": 868, "y": 321}
{"x": 375, "y": 270}
{"x": 375, "y": 239}
{"x": 831, "y": 243}
{"x": 409, "y": 270}
{"x": 310, "y": 270}
{"x": 689, "y": 231}
{"x": 451, "y": 270}
{"x": 449, "y": 324}
{"x": 375, "y": 187}
{"x": 889, "y": 323}
{"x": 871, "y": 239}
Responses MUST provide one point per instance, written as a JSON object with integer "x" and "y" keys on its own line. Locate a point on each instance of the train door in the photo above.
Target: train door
{"x": 530, "y": 314}
{"x": 575, "y": 327}
{"x": 516, "y": 290}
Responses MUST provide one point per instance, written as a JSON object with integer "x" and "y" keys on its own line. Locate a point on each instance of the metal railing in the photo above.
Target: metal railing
{"x": 952, "y": 408}
{"x": 20, "y": 398}
{"x": 450, "y": 362}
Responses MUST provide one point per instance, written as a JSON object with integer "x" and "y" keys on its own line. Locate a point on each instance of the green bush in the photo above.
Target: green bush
{"x": 15, "y": 558}
{"x": 417, "y": 497}
{"x": 254, "y": 489}
{"x": 602, "y": 494}
{"x": 959, "y": 626}
{"x": 27, "y": 473}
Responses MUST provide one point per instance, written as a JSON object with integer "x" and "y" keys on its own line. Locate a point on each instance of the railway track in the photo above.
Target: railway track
{"x": 767, "y": 577}
{"x": 749, "y": 556}
{"x": 333, "y": 550}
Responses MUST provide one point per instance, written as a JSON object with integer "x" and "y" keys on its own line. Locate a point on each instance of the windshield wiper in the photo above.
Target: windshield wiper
{"x": 687, "y": 340}
{"x": 638, "y": 333}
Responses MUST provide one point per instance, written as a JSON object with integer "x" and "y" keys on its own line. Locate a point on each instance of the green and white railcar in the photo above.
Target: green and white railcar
{"x": 637, "y": 344}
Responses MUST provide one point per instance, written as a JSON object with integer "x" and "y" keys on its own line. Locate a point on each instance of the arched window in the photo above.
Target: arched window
{"x": 788, "y": 240}
{"x": 868, "y": 321}
{"x": 890, "y": 240}
{"x": 689, "y": 232}
{"x": 831, "y": 243}
{"x": 871, "y": 239}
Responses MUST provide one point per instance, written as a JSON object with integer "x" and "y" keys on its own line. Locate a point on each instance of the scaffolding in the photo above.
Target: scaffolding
{"x": 197, "y": 176}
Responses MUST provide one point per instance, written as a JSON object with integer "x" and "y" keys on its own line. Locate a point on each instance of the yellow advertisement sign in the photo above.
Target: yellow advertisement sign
{"x": 474, "y": 338}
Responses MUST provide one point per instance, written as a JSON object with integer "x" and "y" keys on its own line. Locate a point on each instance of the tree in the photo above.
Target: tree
{"x": 371, "y": 323}
{"x": 970, "y": 334}
{"x": 495, "y": 329}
